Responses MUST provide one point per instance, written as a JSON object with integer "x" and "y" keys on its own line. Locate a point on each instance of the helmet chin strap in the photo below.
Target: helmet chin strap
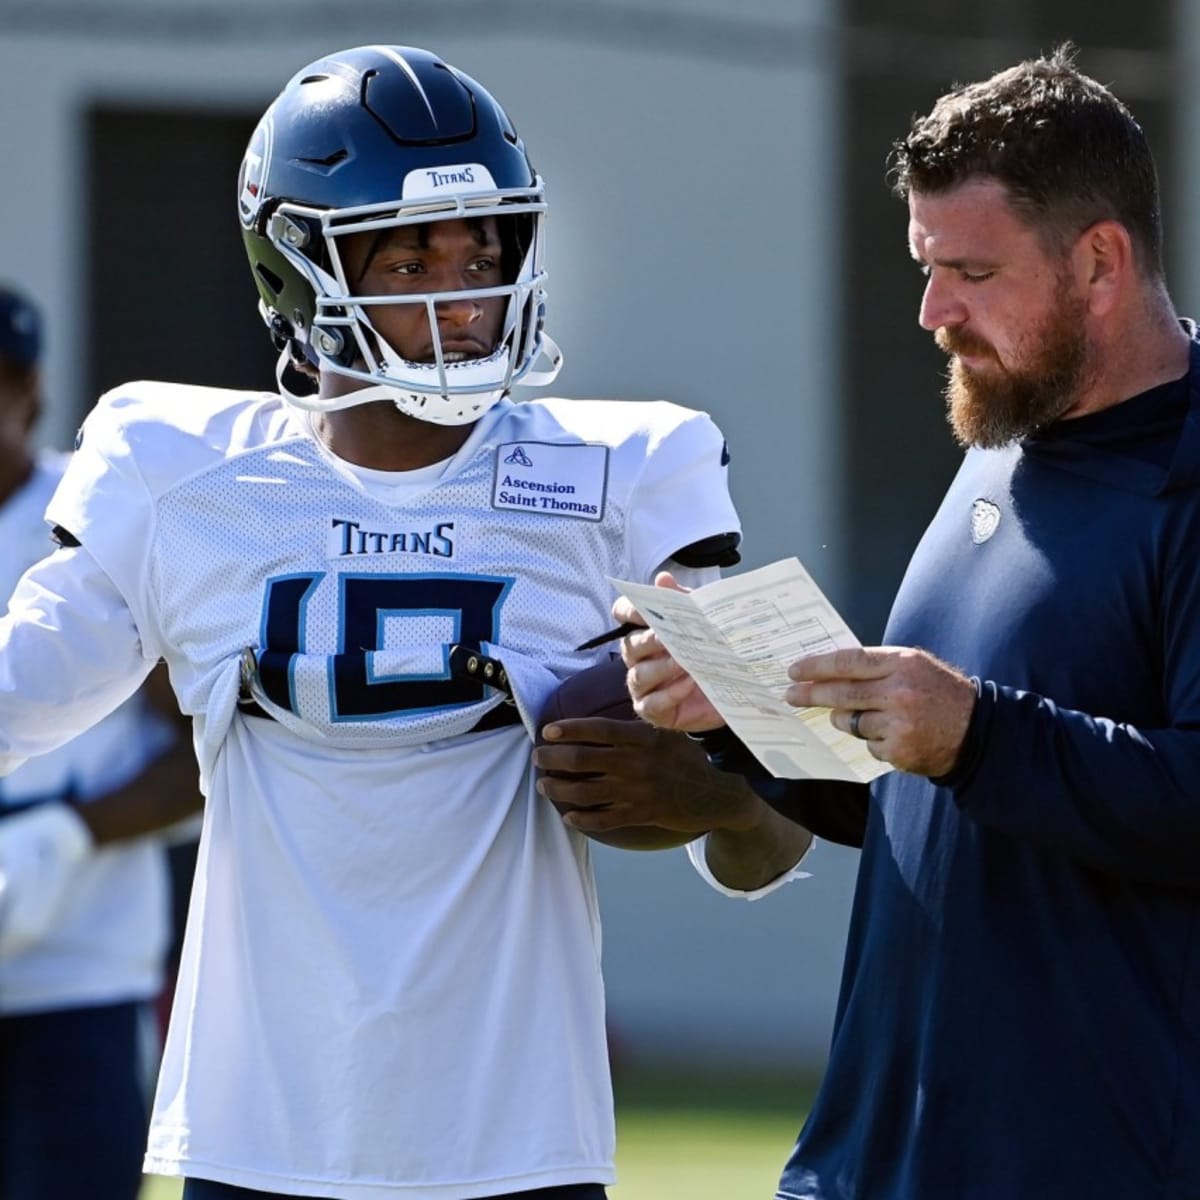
{"x": 310, "y": 401}
{"x": 315, "y": 402}
{"x": 549, "y": 373}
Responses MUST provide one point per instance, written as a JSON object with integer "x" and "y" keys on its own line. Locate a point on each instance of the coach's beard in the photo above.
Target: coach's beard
{"x": 1000, "y": 405}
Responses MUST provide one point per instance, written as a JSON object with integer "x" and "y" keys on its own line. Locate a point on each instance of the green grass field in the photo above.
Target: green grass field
{"x": 710, "y": 1137}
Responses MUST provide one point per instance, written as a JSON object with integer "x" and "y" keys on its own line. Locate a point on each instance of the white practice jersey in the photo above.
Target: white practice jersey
{"x": 108, "y": 941}
{"x": 391, "y": 978}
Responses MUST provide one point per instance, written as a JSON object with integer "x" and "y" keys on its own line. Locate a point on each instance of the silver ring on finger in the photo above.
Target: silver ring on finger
{"x": 856, "y": 724}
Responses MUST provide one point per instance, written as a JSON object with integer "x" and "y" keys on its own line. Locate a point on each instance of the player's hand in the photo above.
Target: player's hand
{"x": 40, "y": 851}
{"x": 612, "y": 774}
{"x": 914, "y": 708}
{"x": 663, "y": 693}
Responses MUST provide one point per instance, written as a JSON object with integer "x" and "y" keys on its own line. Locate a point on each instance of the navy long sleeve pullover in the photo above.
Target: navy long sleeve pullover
{"x": 1020, "y": 1007}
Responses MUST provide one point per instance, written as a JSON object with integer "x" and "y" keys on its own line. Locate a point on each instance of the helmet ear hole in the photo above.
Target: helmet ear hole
{"x": 269, "y": 277}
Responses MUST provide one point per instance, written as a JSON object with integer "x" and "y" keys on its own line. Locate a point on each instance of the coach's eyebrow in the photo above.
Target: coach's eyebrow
{"x": 954, "y": 264}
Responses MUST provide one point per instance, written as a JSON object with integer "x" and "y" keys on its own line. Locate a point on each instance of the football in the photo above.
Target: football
{"x": 599, "y": 691}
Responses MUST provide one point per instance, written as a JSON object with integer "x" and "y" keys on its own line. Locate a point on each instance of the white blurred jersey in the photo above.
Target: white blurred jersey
{"x": 391, "y": 978}
{"x": 108, "y": 941}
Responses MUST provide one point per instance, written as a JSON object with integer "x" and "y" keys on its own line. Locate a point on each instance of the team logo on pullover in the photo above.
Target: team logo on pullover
{"x": 985, "y": 517}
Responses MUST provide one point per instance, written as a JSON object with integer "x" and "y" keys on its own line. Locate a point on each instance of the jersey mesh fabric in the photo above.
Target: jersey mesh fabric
{"x": 390, "y": 985}
{"x": 108, "y": 940}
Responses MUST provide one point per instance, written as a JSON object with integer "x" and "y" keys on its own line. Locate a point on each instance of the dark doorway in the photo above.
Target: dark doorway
{"x": 169, "y": 295}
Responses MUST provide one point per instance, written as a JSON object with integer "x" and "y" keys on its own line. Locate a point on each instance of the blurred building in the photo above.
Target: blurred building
{"x": 721, "y": 234}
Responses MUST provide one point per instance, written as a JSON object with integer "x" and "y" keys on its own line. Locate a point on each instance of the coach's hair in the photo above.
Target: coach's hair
{"x": 1066, "y": 149}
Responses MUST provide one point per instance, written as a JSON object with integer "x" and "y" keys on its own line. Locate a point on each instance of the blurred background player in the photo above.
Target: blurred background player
{"x": 84, "y": 911}
{"x": 365, "y": 589}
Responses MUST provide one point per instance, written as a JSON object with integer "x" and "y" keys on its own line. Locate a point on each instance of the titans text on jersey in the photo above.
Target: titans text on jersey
{"x": 353, "y": 539}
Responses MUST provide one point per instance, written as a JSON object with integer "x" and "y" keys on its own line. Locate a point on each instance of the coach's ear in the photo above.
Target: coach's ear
{"x": 1104, "y": 263}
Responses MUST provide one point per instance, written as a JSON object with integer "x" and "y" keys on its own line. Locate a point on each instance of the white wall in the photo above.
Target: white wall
{"x": 692, "y": 167}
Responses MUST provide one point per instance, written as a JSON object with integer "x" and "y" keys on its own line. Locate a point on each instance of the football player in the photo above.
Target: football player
{"x": 365, "y": 588}
{"x": 84, "y": 905}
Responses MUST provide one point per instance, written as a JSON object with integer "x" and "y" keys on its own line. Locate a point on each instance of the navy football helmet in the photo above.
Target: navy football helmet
{"x": 365, "y": 140}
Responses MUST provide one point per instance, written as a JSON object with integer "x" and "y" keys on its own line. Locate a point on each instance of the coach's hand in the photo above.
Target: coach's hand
{"x": 663, "y": 692}
{"x": 912, "y": 709}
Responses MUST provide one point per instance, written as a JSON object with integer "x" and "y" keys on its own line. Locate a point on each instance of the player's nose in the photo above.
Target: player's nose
{"x": 457, "y": 314}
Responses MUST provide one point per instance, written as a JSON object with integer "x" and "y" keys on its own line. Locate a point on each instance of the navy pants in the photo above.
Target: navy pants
{"x": 201, "y": 1189}
{"x": 73, "y": 1104}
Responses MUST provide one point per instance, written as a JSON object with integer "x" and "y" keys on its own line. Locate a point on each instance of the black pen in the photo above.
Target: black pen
{"x": 611, "y": 636}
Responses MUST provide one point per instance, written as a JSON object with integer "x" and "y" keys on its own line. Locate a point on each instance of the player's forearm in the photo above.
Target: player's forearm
{"x": 749, "y": 857}
{"x": 833, "y": 809}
